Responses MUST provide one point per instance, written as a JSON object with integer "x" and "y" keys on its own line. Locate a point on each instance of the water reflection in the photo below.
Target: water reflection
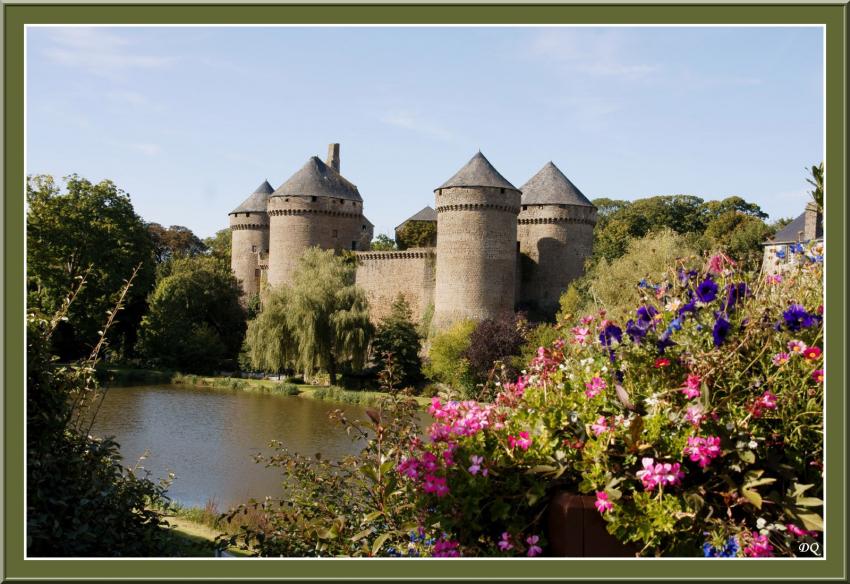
{"x": 207, "y": 436}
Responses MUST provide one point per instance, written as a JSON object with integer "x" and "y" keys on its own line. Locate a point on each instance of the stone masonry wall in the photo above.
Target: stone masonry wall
{"x": 385, "y": 274}
{"x": 476, "y": 253}
{"x": 297, "y": 223}
{"x": 250, "y": 233}
{"x": 554, "y": 241}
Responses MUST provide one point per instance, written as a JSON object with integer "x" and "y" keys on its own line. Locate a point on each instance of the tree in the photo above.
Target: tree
{"x": 817, "y": 183}
{"x": 417, "y": 234}
{"x": 175, "y": 242}
{"x": 320, "y": 321}
{"x": 739, "y": 235}
{"x": 195, "y": 322}
{"x": 397, "y": 336}
{"x": 219, "y": 245}
{"x": 87, "y": 229}
{"x": 447, "y": 362}
{"x": 383, "y": 243}
{"x": 495, "y": 339}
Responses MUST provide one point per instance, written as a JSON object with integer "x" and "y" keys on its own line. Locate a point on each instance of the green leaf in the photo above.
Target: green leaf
{"x": 747, "y": 456}
{"x": 372, "y": 516}
{"x": 809, "y": 502}
{"x": 811, "y": 521}
{"x": 752, "y": 496}
{"x": 376, "y": 546}
{"x": 541, "y": 468}
{"x": 362, "y": 534}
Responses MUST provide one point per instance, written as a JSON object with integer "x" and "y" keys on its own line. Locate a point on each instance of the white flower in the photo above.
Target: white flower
{"x": 753, "y": 444}
{"x": 730, "y": 426}
{"x": 760, "y": 523}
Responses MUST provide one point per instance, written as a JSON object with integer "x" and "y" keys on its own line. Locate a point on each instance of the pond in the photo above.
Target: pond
{"x": 207, "y": 437}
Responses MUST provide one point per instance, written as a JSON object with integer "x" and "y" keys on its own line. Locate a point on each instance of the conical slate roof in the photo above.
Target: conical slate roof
{"x": 551, "y": 187}
{"x": 317, "y": 179}
{"x": 478, "y": 172}
{"x": 426, "y": 214}
{"x": 257, "y": 201}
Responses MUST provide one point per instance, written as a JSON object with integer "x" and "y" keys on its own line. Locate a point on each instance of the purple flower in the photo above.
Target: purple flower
{"x": 505, "y": 542}
{"x": 664, "y": 342}
{"x": 707, "y": 290}
{"x": 721, "y": 330}
{"x": 610, "y": 333}
{"x": 533, "y": 548}
{"x": 689, "y": 306}
{"x": 734, "y": 294}
{"x": 796, "y": 318}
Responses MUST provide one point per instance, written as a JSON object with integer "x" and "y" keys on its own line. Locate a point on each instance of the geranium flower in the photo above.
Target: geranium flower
{"x": 694, "y": 415}
{"x": 602, "y": 503}
{"x": 445, "y": 548}
{"x": 781, "y": 359}
{"x": 654, "y": 475}
{"x": 721, "y": 330}
{"x": 523, "y": 441}
{"x": 707, "y": 290}
{"x": 797, "y": 531}
{"x": 773, "y": 279}
{"x": 533, "y": 548}
{"x": 703, "y": 450}
{"x": 818, "y": 375}
{"x": 692, "y": 385}
{"x": 715, "y": 264}
{"x": 796, "y": 346}
{"x": 796, "y": 318}
{"x": 476, "y": 461}
{"x": 586, "y": 320}
{"x": 812, "y": 353}
{"x": 409, "y": 467}
{"x": 600, "y": 427}
{"x": 580, "y": 335}
{"x": 594, "y": 387}
{"x": 505, "y": 542}
{"x": 759, "y": 548}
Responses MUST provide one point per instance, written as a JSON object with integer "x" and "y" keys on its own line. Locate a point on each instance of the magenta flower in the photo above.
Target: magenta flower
{"x": 798, "y": 532}
{"x": 703, "y": 450}
{"x": 768, "y": 400}
{"x": 781, "y": 359}
{"x": 659, "y": 474}
{"x": 797, "y": 347}
{"x": 694, "y": 415}
{"x": 600, "y": 427}
{"x": 602, "y": 503}
{"x": 594, "y": 387}
{"x": 580, "y": 335}
{"x": 759, "y": 548}
{"x": 505, "y": 543}
{"x": 586, "y": 319}
{"x": 409, "y": 467}
{"x": 436, "y": 485}
{"x": 818, "y": 375}
{"x": 476, "y": 464}
{"x": 692, "y": 385}
{"x": 812, "y": 353}
{"x": 445, "y": 548}
{"x": 523, "y": 441}
{"x": 533, "y": 548}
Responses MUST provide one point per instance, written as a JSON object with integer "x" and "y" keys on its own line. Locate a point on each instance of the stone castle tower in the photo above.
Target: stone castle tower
{"x": 477, "y": 212}
{"x": 497, "y": 247}
{"x": 249, "y": 224}
{"x": 555, "y": 237}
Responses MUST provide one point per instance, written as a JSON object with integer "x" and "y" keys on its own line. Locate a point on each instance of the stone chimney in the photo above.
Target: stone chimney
{"x": 811, "y": 227}
{"x": 333, "y": 156}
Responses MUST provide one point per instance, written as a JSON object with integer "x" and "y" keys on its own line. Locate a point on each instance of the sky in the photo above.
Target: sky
{"x": 190, "y": 120}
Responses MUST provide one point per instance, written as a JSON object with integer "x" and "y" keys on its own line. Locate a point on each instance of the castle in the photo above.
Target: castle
{"x": 498, "y": 247}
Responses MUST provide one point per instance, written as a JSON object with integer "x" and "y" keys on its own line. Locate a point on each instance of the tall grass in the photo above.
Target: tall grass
{"x": 211, "y": 516}
{"x": 334, "y": 393}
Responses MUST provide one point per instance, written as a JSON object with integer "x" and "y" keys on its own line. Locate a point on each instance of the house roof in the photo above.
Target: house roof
{"x": 791, "y": 232}
{"x": 317, "y": 179}
{"x": 426, "y": 214}
{"x": 256, "y": 201}
{"x": 551, "y": 187}
{"x": 478, "y": 172}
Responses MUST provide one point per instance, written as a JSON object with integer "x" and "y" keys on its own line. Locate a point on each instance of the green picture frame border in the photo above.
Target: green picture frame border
{"x": 15, "y": 567}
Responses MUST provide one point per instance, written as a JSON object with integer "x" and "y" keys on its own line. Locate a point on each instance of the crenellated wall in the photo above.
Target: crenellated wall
{"x": 385, "y": 274}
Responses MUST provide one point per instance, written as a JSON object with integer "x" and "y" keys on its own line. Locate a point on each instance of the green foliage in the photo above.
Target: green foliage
{"x": 397, "y": 336}
{"x": 174, "y": 242}
{"x": 542, "y": 335}
{"x": 219, "y": 245}
{"x": 417, "y": 234}
{"x": 383, "y": 243}
{"x": 92, "y": 230}
{"x": 816, "y": 181}
{"x": 446, "y": 362}
{"x": 195, "y": 322}
{"x": 321, "y": 321}
{"x": 739, "y": 235}
{"x": 573, "y": 299}
{"x": 81, "y": 501}
{"x": 352, "y": 507}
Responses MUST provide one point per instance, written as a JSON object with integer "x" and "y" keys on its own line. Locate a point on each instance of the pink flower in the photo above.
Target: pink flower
{"x": 694, "y": 415}
{"x": 774, "y": 279}
{"x": 476, "y": 464}
{"x": 715, "y": 264}
{"x": 594, "y": 387}
{"x": 759, "y": 548}
{"x": 445, "y": 548}
{"x": 586, "y": 320}
{"x": 429, "y": 462}
{"x": 659, "y": 474}
{"x": 818, "y": 375}
{"x": 533, "y": 548}
{"x": 409, "y": 467}
{"x": 505, "y": 543}
{"x": 692, "y": 385}
{"x": 436, "y": 485}
{"x": 703, "y": 450}
{"x": 781, "y": 359}
{"x": 523, "y": 441}
{"x": 768, "y": 400}
{"x": 580, "y": 335}
{"x": 812, "y": 353}
{"x": 796, "y": 346}
{"x": 600, "y": 427}
{"x": 602, "y": 503}
{"x": 798, "y": 532}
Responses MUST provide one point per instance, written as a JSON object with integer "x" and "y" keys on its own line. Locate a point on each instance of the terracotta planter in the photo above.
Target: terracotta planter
{"x": 577, "y": 530}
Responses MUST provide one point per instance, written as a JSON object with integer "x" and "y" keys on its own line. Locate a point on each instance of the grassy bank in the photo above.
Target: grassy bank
{"x": 198, "y": 528}
{"x": 122, "y": 377}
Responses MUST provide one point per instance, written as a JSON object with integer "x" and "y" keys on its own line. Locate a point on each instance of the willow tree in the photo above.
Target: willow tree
{"x": 319, "y": 321}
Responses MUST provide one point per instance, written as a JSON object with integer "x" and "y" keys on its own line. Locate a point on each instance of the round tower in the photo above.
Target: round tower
{"x": 249, "y": 226}
{"x": 555, "y": 238}
{"x": 476, "y": 244}
{"x": 318, "y": 207}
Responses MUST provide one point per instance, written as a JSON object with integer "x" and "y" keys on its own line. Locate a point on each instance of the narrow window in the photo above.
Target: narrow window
{"x": 247, "y": 214}
{"x": 335, "y": 233}
{"x": 253, "y": 248}
{"x": 313, "y": 199}
{"x": 353, "y": 245}
{"x": 257, "y": 273}
{"x": 502, "y": 191}
{"x": 525, "y": 207}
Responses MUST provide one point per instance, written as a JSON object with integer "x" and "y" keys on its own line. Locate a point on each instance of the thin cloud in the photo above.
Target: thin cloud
{"x": 146, "y": 148}
{"x": 98, "y": 51}
{"x": 407, "y": 120}
{"x": 590, "y": 52}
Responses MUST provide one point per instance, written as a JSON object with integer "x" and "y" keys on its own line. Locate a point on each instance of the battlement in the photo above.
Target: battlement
{"x": 409, "y": 254}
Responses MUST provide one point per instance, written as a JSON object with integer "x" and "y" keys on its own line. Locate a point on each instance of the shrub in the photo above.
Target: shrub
{"x": 446, "y": 362}
{"x": 697, "y": 424}
{"x": 495, "y": 341}
{"x": 398, "y": 337}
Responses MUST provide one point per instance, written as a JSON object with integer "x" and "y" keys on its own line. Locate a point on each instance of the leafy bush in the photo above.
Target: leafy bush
{"x": 446, "y": 361}
{"x": 397, "y": 336}
{"x": 417, "y": 234}
{"x": 495, "y": 340}
{"x": 697, "y": 424}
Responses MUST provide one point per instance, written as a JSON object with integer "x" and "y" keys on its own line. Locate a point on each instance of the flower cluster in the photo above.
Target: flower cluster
{"x": 658, "y": 474}
{"x": 703, "y": 450}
